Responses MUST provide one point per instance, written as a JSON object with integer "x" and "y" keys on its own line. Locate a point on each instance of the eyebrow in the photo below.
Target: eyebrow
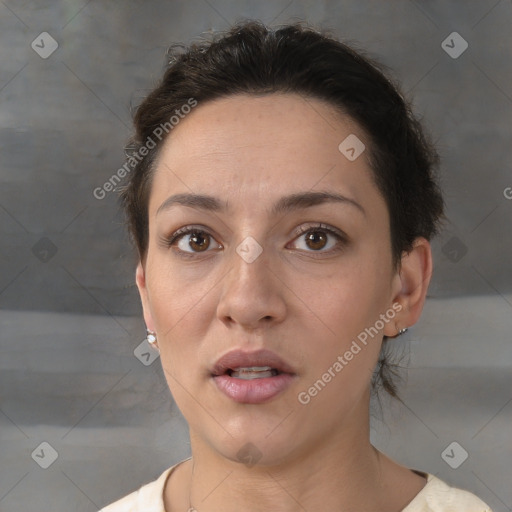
{"x": 288, "y": 203}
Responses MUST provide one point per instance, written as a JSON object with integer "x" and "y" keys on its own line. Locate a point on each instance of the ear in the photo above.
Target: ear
{"x": 411, "y": 285}
{"x": 140, "y": 279}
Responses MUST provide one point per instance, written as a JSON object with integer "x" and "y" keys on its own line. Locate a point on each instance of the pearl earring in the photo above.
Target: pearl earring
{"x": 151, "y": 337}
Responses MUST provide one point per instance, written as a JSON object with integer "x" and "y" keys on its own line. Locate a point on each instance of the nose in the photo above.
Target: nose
{"x": 252, "y": 294}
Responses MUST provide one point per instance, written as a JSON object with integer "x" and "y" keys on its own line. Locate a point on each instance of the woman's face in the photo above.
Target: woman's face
{"x": 269, "y": 265}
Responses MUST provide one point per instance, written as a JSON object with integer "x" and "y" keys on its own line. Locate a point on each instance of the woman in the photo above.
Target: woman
{"x": 282, "y": 201}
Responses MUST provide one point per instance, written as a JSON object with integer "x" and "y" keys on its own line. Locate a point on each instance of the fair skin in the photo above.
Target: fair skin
{"x": 305, "y": 301}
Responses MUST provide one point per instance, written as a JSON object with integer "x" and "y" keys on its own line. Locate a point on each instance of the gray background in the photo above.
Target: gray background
{"x": 70, "y": 318}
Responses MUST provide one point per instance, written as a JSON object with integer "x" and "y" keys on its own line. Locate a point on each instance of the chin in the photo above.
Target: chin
{"x": 257, "y": 454}
{"x": 254, "y": 448}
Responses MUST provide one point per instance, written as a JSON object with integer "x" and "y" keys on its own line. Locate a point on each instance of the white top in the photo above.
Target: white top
{"x": 436, "y": 496}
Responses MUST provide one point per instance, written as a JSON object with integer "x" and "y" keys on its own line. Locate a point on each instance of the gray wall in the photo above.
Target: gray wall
{"x": 70, "y": 319}
{"x": 65, "y": 120}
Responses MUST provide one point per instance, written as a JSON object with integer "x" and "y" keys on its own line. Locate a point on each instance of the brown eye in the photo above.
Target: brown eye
{"x": 190, "y": 241}
{"x": 316, "y": 240}
{"x": 198, "y": 241}
{"x": 321, "y": 239}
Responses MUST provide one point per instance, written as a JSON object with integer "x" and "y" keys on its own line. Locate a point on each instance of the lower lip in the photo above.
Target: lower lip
{"x": 255, "y": 391}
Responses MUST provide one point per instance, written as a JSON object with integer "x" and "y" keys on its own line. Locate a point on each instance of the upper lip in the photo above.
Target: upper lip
{"x": 239, "y": 359}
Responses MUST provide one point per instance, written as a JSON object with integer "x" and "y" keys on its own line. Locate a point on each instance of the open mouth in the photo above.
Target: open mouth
{"x": 253, "y": 372}
{"x": 259, "y": 364}
{"x": 252, "y": 377}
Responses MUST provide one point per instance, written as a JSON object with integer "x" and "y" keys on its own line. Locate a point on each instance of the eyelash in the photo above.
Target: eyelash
{"x": 180, "y": 233}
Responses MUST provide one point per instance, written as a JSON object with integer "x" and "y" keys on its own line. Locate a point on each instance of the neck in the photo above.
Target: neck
{"x": 308, "y": 485}
{"x": 341, "y": 471}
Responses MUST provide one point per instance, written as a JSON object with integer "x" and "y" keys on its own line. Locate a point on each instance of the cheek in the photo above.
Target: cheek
{"x": 342, "y": 301}
{"x": 338, "y": 314}
{"x": 178, "y": 297}
{"x": 181, "y": 314}
{"x": 341, "y": 355}
{"x": 182, "y": 309}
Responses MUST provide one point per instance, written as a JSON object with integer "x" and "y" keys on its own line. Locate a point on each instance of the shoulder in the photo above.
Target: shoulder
{"x": 438, "y": 496}
{"x": 148, "y": 498}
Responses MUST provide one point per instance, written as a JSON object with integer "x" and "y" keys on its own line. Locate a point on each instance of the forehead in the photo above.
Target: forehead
{"x": 254, "y": 147}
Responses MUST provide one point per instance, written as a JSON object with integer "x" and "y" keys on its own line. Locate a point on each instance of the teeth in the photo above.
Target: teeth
{"x": 254, "y": 372}
{"x": 253, "y": 369}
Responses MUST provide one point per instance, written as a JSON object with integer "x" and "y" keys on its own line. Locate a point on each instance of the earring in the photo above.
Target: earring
{"x": 402, "y": 331}
{"x": 151, "y": 337}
